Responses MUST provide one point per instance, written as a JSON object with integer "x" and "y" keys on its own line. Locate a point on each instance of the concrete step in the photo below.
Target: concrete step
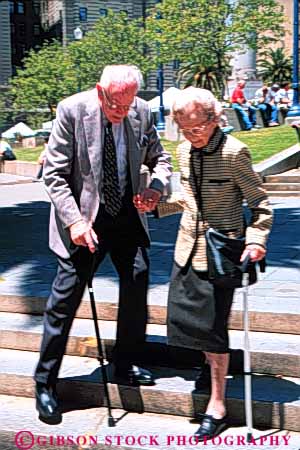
{"x": 284, "y": 193}
{"x": 268, "y": 314}
{"x": 282, "y": 187}
{"x": 271, "y": 352}
{"x": 282, "y": 178}
{"x": 133, "y": 431}
{"x": 275, "y": 400}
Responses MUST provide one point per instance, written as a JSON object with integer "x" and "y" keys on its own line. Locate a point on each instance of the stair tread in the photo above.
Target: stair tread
{"x": 276, "y": 400}
{"x": 84, "y": 328}
{"x": 19, "y": 413}
{"x": 283, "y": 192}
{"x": 283, "y": 302}
{"x": 86, "y": 370}
{"x": 278, "y": 183}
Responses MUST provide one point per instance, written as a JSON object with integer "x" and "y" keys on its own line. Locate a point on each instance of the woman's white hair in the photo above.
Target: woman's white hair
{"x": 197, "y": 99}
{"x": 122, "y": 75}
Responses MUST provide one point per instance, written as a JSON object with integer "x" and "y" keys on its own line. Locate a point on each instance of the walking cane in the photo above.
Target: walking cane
{"x": 247, "y": 360}
{"x": 111, "y": 421}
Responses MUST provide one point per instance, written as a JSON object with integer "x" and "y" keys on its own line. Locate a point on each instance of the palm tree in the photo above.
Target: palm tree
{"x": 204, "y": 76}
{"x": 275, "y": 66}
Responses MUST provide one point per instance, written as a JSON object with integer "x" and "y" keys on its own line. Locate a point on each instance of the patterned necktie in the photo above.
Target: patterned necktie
{"x": 111, "y": 187}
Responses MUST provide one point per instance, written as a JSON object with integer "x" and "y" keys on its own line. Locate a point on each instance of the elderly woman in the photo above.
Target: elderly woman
{"x": 216, "y": 175}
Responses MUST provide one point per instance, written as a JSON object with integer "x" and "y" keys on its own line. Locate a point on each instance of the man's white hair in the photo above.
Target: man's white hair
{"x": 121, "y": 75}
{"x": 197, "y": 99}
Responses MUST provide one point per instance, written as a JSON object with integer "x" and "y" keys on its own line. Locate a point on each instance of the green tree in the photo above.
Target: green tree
{"x": 46, "y": 78}
{"x": 113, "y": 40}
{"x": 55, "y": 72}
{"x": 204, "y": 76}
{"x": 275, "y": 66}
{"x": 206, "y": 33}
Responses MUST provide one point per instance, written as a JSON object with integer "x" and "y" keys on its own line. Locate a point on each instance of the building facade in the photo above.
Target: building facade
{"x": 25, "y": 24}
{"x": 5, "y": 43}
{"x": 61, "y": 17}
{"x": 25, "y": 29}
{"x": 20, "y": 30}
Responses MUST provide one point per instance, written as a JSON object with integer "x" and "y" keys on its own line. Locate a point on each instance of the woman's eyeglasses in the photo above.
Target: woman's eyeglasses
{"x": 197, "y": 131}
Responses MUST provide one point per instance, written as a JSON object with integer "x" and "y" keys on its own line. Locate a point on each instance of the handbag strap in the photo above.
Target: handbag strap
{"x": 198, "y": 185}
{"x": 218, "y": 145}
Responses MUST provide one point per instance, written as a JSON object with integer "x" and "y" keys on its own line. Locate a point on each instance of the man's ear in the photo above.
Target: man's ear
{"x": 99, "y": 89}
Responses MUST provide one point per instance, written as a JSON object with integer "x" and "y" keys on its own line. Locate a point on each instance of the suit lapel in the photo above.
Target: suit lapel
{"x": 92, "y": 127}
{"x": 132, "y": 128}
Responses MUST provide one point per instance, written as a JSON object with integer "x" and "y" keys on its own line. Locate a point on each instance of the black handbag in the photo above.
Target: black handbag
{"x": 224, "y": 253}
{"x": 223, "y": 260}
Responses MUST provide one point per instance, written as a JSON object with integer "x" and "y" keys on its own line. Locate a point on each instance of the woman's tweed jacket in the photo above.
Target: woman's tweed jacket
{"x": 225, "y": 178}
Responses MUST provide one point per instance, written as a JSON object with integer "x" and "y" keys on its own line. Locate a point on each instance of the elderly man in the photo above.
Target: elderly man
{"x": 98, "y": 143}
{"x": 216, "y": 175}
{"x": 239, "y": 103}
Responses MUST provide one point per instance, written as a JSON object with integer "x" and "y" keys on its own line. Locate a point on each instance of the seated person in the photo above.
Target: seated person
{"x": 286, "y": 95}
{"x": 246, "y": 111}
{"x": 6, "y": 153}
{"x": 269, "y": 110}
{"x": 224, "y": 124}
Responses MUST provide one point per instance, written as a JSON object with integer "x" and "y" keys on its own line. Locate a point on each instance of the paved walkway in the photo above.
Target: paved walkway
{"x": 27, "y": 267}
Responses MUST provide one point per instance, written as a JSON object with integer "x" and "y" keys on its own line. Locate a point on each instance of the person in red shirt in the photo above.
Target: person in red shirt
{"x": 239, "y": 103}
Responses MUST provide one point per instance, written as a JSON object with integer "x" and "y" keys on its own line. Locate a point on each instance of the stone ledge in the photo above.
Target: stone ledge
{"x": 24, "y": 168}
{"x": 281, "y": 162}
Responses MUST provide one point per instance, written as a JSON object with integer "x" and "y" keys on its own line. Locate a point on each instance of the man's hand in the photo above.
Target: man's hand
{"x": 147, "y": 200}
{"x": 256, "y": 252}
{"x": 83, "y": 234}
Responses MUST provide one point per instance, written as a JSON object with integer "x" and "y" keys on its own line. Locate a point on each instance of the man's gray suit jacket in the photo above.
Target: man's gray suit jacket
{"x": 72, "y": 170}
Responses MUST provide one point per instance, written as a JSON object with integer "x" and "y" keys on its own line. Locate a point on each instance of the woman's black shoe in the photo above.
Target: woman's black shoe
{"x": 47, "y": 405}
{"x": 210, "y": 427}
{"x": 203, "y": 379}
{"x": 135, "y": 376}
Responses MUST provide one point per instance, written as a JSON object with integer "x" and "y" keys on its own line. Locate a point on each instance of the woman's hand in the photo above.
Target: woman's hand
{"x": 257, "y": 252}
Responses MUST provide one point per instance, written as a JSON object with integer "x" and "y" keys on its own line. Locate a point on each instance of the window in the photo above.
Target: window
{"x": 36, "y": 29}
{"x": 11, "y": 7}
{"x": 22, "y": 50}
{"x": 12, "y": 28}
{"x": 22, "y": 29}
{"x": 36, "y": 8}
{"x": 83, "y": 14}
{"x": 20, "y": 8}
{"x": 103, "y": 12}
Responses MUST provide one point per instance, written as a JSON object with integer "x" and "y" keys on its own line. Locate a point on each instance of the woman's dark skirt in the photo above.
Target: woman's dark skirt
{"x": 198, "y": 311}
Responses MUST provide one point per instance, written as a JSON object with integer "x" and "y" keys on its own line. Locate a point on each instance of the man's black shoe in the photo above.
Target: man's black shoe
{"x": 135, "y": 376}
{"x": 210, "y": 428}
{"x": 47, "y": 404}
{"x": 203, "y": 379}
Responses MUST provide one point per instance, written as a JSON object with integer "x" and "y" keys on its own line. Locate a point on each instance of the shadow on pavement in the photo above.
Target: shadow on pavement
{"x": 27, "y": 267}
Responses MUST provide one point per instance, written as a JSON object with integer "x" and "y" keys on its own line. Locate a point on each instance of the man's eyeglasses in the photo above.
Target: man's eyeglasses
{"x": 113, "y": 105}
